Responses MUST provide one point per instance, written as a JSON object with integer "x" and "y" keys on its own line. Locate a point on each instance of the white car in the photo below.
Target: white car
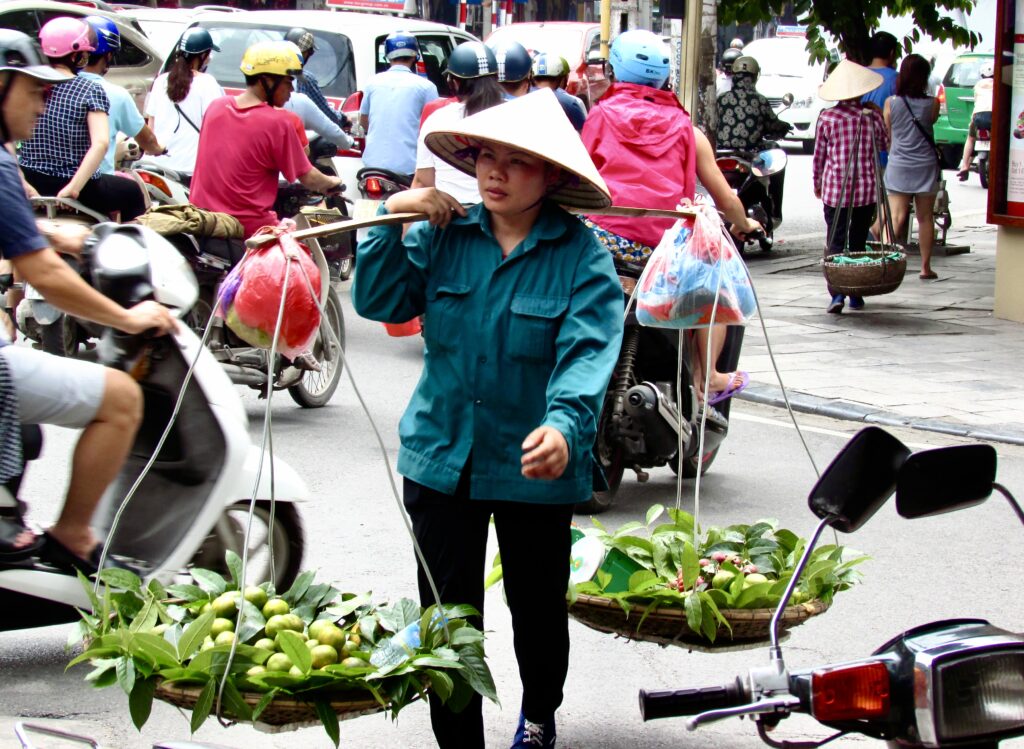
{"x": 349, "y": 50}
{"x": 163, "y": 26}
{"x": 785, "y": 69}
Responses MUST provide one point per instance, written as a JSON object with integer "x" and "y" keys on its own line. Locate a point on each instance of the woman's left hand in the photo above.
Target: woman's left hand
{"x": 545, "y": 454}
{"x": 69, "y": 191}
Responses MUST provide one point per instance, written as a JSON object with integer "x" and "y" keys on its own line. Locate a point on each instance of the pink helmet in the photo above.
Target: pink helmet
{"x": 63, "y": 36}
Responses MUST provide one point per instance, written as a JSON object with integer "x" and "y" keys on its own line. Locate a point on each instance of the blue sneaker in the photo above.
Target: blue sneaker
{"x": 533, "y": 734}
{"x": 837, "y": 304}
{"x": 856, "y": 302}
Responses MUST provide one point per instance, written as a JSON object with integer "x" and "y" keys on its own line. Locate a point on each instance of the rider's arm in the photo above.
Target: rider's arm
{"x": 423, "y": 177}
{"x": 315, "y": 120}
{"x": 713, "y": 179}
{"x": 64, "y": 288}
{"x": 317, "y": 181}
{"x": 99, "y": 137}
{"x": 147, "y": 141}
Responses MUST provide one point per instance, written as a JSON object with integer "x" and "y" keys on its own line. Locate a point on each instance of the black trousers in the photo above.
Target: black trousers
{"x": 859, "y": 218}
{"x": 105, "y": 194}
{"x": 534, "y": 541}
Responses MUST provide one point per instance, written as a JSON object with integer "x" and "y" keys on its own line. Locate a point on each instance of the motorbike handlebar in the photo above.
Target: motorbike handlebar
{"x": 676, "y": 702}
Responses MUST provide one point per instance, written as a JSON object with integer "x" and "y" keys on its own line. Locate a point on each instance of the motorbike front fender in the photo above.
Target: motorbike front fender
{"x": 288, "y": 485}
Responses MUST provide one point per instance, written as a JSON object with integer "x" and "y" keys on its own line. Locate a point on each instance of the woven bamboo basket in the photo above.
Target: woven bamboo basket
{"x": 667, "y": 626}
{"x": 282, "y": 710}
{"x": 881, "y": 276}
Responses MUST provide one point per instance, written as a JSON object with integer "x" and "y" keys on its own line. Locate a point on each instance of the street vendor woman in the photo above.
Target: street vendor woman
{"x": 523, "y": 322}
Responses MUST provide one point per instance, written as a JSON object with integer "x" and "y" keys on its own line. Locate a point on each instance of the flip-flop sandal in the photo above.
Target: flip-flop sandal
{"x": 61, "y": 557}
{"x": 10, "y": 529}
{"x": 929, "y": 276}
{"x": 734, "y": 387}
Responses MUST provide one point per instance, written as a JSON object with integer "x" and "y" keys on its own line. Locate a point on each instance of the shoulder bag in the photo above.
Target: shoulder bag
{"x": 926, "y": 135}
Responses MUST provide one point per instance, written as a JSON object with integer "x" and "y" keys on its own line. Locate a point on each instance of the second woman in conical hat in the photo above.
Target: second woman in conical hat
{"x": 523, "y": 320}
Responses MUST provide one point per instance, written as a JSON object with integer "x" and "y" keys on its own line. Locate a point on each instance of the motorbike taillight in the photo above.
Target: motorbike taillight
{"x": 731, "y": 165}
{"x": 155, "y": 181}
{"x": 984, "y": 134}
{"x": 940, "y": 95}
{"x": 373, "y": 188}
{"x": 852, "y": 692}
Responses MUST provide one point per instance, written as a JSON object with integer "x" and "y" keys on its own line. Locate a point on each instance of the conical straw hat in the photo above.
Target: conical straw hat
{"x": 534, "y": 123}
{"x": 849, "y": 81}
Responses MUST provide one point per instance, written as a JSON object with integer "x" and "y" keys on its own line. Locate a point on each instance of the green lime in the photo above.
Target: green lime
{"x": 274, "y": 607}
{"x": 225, "y": 604}
{"x": 323, "y": 655}
{"x": 256, "y": 596}
{"x": 278, "y": 662}
{"x": 224, "y": 638}
{"x": 265, "y": 643}
{"x": 220, "y": 624}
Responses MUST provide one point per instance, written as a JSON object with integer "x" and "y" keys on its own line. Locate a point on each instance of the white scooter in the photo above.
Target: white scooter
{"x": 192, "y": 505}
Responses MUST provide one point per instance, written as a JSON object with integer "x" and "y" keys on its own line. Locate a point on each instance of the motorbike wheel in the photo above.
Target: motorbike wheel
{"x": 983, "y": 172}
{"x": 690, "y": 464}
{"x": 60, "y": 338}
{"x": 289, "y": 543}
{"x": 614, "y": 465}
{"x": 345, "y": 267}
{"x": 315, "y": 389}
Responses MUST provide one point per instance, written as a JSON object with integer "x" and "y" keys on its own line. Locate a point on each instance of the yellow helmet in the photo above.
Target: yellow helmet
{"x": 272, "y": 58}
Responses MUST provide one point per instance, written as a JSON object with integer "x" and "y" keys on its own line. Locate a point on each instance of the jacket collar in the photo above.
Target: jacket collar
{"x": 552, "y": 223}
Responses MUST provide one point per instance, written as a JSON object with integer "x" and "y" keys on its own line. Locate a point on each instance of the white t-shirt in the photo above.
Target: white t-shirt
{"x": 447, "y": 178}
{"x": 172, "y": 130}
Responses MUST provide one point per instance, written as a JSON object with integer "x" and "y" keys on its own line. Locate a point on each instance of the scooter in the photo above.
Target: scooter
{"x": 192, "y": 506}
{"x": 982, "y": 149}
{"x": 639, "y": 427}
{"x": 749, "y": 175}
{"x": 951, "y": 683}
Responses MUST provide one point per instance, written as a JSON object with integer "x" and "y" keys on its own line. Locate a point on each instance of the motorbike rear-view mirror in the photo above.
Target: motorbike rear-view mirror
{"x": 946, "y": 479}
{"x": 787, "y": 99}
{"x": 859, "y": 480}
{"x": 768, "y": 162}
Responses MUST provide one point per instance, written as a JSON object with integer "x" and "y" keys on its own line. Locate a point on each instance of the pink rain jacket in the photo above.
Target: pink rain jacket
{"x": 642, "y": 142}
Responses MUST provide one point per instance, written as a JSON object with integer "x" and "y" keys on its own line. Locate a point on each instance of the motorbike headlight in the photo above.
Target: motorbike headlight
{"x": 980, "y": 695}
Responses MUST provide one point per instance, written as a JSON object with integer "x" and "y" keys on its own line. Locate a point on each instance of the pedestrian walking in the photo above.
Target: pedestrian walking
{"x": 914, "y": 169}
{"x": 845, "y": 146}
{"x": 523, "y": 327}
{"x": 391, "y": 107}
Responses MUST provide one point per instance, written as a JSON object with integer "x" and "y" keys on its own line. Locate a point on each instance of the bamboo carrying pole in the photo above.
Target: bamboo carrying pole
{"x": 340, "y": 227}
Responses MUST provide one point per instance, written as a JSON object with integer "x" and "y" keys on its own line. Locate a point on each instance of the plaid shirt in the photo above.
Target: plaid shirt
{"x": 309, "y": 86}
{"x": 835, "y": 137}
{"x": 61, "y": 138}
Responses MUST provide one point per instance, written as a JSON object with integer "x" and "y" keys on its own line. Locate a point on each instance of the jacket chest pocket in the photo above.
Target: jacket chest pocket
{"x": 533, "y": 326}
{"x": 445, "y": 320}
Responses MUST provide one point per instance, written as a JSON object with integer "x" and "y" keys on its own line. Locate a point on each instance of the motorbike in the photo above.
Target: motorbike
{"x": 193, "y": 504}
{"x": 950, "y": 683}
{"x": 749, "y": 175}
{"x": 639, "y": 426}
{"x": 982, "y": 149}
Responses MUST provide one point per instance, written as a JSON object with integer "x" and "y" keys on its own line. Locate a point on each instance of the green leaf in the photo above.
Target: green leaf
{"x": 752, "y": 595}
{"x": 140, "y": 702}
{"x": 461, "y": 611}
{"x": 493, "y": 576}
{"x": 693, "y": 611}
{"x": 209, "y": 581}
{"x": 654, "y": 513}
{"x": 349, "y": 605}
{"x": 194, "y": 635}
{"x": 264, "y": 702}
{"x": 295, "y": 648}
{"x": 126, "y": 674}
{"x": 441, "y": 684}
{"x": 156, "y": 649}
{"x": 252, "y": 621}
{"x": 122, "y": 579}
{"x": 330, "y": 720}
{"x": 429, "y": 661}
{"x": 476, "y": 672}
{"x": 466, "y": 636}
{"x": 234, "y": 563}
{"x": 147, "y": 618}
{"x": 690, "y": 565}
{"x": 299, "y": 587}
{"x": 190, "y": 593}
{"x": 235, "y": 703}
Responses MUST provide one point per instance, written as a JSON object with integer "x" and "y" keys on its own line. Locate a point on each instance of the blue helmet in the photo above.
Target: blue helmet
{"x": 195, "y": 41}
{"x": 472, "y": 60}
{"x": 400, "y": 44}
{"x": 108, "y": 38}
{"x": 514, "y": 62}
{"x": 640, "y": 57}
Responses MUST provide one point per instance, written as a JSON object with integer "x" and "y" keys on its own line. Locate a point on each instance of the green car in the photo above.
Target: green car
{"x": 956, "y": 104}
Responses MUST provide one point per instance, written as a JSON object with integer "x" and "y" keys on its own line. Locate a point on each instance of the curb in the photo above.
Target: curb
{"x": 769, "y": 395}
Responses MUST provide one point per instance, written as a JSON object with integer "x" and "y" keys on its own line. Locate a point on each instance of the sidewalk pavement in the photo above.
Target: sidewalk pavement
{"x": 929, "y": 356}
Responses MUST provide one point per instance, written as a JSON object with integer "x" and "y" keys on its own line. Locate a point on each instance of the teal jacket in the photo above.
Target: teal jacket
{"x": 510, "y": 346}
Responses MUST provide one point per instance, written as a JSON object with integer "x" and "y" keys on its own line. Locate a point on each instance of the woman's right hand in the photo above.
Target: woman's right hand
{"x": 69, "y": 191}
{"x": 440, "y": 207}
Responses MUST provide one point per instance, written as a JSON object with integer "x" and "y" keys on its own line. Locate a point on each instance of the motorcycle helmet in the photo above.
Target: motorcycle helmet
{"x": 987, "y": 69}
{"x": 730, "y": 56}
{"x": 108, "y": 38}
{"x": 472, "y": 60}
{"x": 736, "y": 43}
{"x": 400, "y": 44}
{"x": 746, "y": 65}
{"x": 302, "y": 39}
{"x": 272, "y": 58}
{"x": 640, "y": 57}
{"x": 514, "y": 63}
{"x": 19, "y": 54}
{"x": 549, "y": 66}
{"x": 64, "y": 35}
{"x": 196, "y": 41}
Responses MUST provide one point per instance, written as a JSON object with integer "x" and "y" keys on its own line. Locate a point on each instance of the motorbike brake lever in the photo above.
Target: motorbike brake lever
{"x": 782, "y": 704}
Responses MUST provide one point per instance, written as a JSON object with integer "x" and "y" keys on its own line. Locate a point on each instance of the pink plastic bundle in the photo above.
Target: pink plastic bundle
{"x": 250, "y": 297}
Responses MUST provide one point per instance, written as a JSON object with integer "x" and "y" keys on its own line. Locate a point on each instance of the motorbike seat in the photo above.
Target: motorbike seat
{"x": 372, "y": 171}
{"x": 231, "y": 250}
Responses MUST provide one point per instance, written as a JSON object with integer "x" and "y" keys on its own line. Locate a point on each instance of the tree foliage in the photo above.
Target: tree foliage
{"x": 851, "y": 24}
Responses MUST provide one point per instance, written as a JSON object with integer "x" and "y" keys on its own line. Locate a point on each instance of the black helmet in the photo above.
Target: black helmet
{"x": 730, "y": 56}
{"x": 472, "y": 60}
{"x": 19, "y": 54}
{"x": 302, "y": 39}
{"x": 196, "y": 40}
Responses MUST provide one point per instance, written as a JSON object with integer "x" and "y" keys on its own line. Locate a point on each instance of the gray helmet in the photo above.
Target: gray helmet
{"x": 196, "y": 40}
{"x": 730, "y": 56}
{"x": 19, "y": 54}
{"x": 746, "y": 64}
{"x": 472, "y": 60}
{"x": 302, "y": 39}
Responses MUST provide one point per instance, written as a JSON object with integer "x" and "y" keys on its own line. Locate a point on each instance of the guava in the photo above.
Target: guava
{"x": 722, "y": 579}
